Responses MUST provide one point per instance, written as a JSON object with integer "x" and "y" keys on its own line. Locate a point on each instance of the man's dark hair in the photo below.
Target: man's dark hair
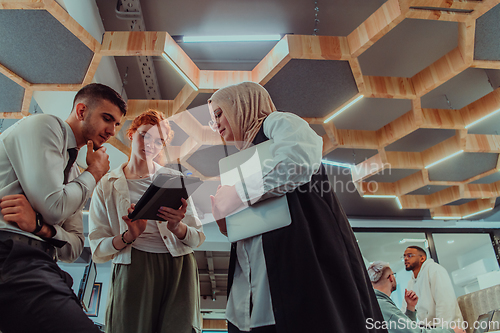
{"x": 419, "y": 249}
{"x": 93, "y": 93}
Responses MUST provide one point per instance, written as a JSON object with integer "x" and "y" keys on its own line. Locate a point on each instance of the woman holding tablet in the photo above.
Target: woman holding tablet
{"x": 154, "y": 284}
{"x": 308, "y": 276}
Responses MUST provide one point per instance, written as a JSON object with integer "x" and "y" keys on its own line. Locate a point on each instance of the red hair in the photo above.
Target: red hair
{"x": 151, "y": 117}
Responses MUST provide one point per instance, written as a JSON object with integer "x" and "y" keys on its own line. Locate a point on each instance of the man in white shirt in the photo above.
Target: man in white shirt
{"x": 384, "y": 282}
{"x": 42, "y": 194}
{"x": 438, "y": 306}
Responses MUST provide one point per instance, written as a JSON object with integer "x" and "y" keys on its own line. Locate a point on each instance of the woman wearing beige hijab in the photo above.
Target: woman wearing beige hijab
{"x": 305, "y": 277}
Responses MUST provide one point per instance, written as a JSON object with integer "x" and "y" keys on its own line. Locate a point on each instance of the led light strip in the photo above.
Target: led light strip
{"x": 341, "y": 110}
{"x": 184, "y": 76}
{"x": 338, "y": 164}
{"x": 237, "y": 38}
{"x": 446, "y": 217}
{"x": 481, "y": 211}
{"x": 444, "y": 159}
{"x": 399, "y": 203}
{"x": 481, "y": 119}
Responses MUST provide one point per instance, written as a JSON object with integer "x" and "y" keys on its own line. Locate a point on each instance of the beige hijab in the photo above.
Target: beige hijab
{"x": 245, "y": 106}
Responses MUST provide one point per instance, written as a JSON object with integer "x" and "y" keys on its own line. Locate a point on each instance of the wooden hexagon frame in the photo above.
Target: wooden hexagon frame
{"x": 349, "y": 48}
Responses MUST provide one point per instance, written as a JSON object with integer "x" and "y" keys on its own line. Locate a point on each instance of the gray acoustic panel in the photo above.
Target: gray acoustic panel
{"x": 409, "y": 47}
{"x": 206, "y": 159}
{"x": 350, "y": 156}
{"x": 463, "y": 89}
{"x": 459, "y": 202}
{"x": 370, "y": 114}
{"x": 40, "y": 49}
{"x": 312, "y": 88}
{"x": 390, "y": 175}
{"x": 319, "y": 129}
{"x": 11, "y": 94}
{"x": 486, "y": 46}
{"x": 428, "y": 189}
{"x": 463, "y": 166}
{"x": 420, "y": 140}
{"x": 230, "y": 56}
{"x": 199, "y": 100}
{"x": 495, "y": 177}
{"x": 490, "y": 125}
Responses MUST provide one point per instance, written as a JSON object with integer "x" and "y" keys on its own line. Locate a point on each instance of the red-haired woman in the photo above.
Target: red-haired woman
{"x": 154, "y": 286}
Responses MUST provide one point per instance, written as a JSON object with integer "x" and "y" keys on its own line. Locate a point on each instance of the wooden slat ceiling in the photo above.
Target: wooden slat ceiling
{"x": 343, "y": 53}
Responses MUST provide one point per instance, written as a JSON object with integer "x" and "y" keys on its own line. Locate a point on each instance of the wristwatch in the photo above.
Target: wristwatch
{"x": 39, "y": 223}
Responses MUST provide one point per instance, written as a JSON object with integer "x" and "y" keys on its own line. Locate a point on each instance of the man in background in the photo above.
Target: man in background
{"x": 42, "y": 194}
{"x": 384, "y": 282}
{"x": 430, "y": 281}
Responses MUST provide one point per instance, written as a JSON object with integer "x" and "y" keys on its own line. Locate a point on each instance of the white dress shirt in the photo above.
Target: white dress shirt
{"x": 33, "y": 156}
{"x": 297, "y": 152}
{"x": 111, "y": 201}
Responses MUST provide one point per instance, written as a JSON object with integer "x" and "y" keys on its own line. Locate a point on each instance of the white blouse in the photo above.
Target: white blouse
{"x": 297, "y": 153}
{"x": 111, "y": 200}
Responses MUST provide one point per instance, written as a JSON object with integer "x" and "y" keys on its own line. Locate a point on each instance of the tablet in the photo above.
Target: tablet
{"x": 166, "y": 190}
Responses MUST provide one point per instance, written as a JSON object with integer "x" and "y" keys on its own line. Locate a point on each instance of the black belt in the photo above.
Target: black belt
{"x": 37, "y": 244}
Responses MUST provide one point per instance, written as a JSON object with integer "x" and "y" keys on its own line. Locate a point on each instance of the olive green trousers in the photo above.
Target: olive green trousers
{"x": 155, "y": 293}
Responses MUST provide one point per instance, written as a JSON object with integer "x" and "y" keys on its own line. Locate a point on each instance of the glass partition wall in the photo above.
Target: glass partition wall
{"x": 468, "y": 257}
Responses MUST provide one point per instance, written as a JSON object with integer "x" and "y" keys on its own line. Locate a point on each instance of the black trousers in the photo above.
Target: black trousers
{"x": 36, "y": 295}
{"x": 263, "y": 329}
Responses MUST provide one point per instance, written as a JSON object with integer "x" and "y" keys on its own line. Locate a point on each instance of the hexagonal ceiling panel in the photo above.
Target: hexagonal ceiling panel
{"x": 486, "y": 46}
{"x": 11, "y": 95}
{"x": 312, "y": 88}
{"x": 400, "y": 53}
{"x": 463, "y": 167}
{"x": 463, "y": 89}
{"x": 38, "y": 48}
{"x": 420, "y": 140}
{"x": 370, "y": 114}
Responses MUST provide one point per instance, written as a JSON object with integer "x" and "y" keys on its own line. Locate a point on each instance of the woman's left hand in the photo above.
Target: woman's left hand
{"x": 227, "y": 200}
{"x": 173, "y": 216}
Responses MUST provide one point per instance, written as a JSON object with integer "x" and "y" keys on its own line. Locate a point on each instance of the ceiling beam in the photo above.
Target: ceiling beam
{"x": 388, "y": 87}
{"x": 375, "y": 27}
{"x": 210, "y": 81}
{"x": 22, "y": 4}
{"x": 14, "y": 77}
{"x": 11, "y": 115}
{"x": 439, "y": 72}
{"x": 483, "y": 107}
{"x": 275, "y": 60}
{"x": 137, "y": 106}
{"x": 459, "y": 211}
{"x": 397, "y": 129}
{"x": 437, "y": 15}
{"x": 133, "y": 43}
{"x": 442, "y": 119}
